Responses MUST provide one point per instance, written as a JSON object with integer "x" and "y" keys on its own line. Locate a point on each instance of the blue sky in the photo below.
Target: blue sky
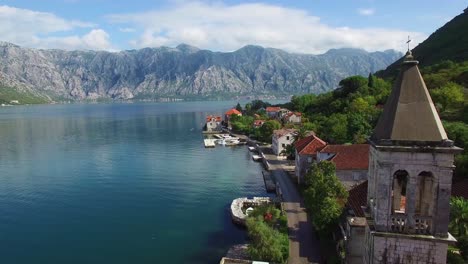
{"x": 312, "y": 26}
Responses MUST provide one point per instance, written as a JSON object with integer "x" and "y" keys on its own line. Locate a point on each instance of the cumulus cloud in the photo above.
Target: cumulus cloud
{"x": 224, "y": 27}
{"x": 37, "y": 29}
{"x": 96, "y": 39}
{"x": 366, "y": 11}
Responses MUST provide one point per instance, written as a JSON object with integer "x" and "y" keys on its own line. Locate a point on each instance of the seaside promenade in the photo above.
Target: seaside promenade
{"x": 303, "y": 244}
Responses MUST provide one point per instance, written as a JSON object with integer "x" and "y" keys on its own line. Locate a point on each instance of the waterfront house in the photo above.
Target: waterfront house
{"x": 231, "y": 112}
{"x": 258, "y": 123}
{"x": 281, "y": 138}
{"x": 292, "y": 118}
{"x": 282, "y": 113}
{"x": 272, "y": 111}
{"x": 306, "y": 153}
{"x": 351, "y": 161}
{"x": 213, "y": 124}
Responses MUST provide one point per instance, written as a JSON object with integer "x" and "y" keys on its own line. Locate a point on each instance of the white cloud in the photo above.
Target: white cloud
{"x": 96, "y": 39}
{"x": 38, "y": 29}
{"x": 366, "y": 11}
{"x": 223, "y": 27}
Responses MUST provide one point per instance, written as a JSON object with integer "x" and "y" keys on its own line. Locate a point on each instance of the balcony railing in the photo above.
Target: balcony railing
{"x": 400, "y": 224}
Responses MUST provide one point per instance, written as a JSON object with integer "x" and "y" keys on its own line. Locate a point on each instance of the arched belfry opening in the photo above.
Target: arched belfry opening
{"x": 425, "y": 194}
{"x": 400, "y": 182}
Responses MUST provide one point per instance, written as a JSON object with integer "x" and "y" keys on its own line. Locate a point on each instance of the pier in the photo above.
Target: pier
{"x": 209, "y": 142}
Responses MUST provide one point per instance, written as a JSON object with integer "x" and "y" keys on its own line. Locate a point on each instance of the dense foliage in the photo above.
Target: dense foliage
{"x": 324, "y": 195}
{"x": 267, "y": 228}
{"x": 349, "y": 114}
{"x": 458, "y": 227}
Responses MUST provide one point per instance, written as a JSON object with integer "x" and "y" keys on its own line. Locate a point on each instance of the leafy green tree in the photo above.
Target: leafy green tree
{"x": 324, "y": 196}
{"x": 450, "y": 94}
{"x": 266, "y": 130}
{"x": 239, "y": 107}
{"x": 370, "y": 80}
{"x": 459, "y": 216}
{"x": 267, "y": 229}
{"x": 336, "y": 128}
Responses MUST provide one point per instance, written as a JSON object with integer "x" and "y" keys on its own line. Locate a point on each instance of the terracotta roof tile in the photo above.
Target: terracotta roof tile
{"x": 233, "y": 111}
{"x": 460, "y": 188}
{"x": 358, "y": 198}
{"x": 349, "y": 157}
{"x": 273, "y": 108}
{"x": 282, "y": 132}
{"x": 309, "y": 145}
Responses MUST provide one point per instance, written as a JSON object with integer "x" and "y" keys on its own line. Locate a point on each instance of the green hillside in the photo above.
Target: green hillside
{"x": 449, "y": 42}
{"x": 9, "y": 94}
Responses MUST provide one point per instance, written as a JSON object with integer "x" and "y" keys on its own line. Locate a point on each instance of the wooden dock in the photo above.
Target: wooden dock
{"x": 209, "y": 142}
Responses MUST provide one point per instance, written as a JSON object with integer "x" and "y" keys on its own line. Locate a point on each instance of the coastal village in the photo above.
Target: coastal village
{"x": 398, "y": 185}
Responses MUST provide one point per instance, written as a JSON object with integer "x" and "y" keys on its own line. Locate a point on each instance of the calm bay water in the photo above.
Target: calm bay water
{"x": 118, "y": 183}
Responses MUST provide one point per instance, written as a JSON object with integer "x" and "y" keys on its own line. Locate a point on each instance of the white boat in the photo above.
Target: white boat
{"x": 256, "y": 157}
{"x": 251, "y": 149}
{"x": 232, "y": 142}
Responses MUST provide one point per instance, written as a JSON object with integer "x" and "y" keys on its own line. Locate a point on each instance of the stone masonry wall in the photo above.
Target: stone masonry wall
{"x": 400, "y": 250}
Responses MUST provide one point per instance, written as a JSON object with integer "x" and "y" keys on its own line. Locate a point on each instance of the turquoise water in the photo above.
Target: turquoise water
{"x": 118, "y": 183}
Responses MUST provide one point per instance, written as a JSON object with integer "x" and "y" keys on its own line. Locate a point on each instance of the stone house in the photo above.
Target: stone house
{"x": 213, "y": 123}
{"x": 280, "y": 139}
{"x": 292, "y": 118}
{"x": 306, "y": 151}
{"x": 406, "y": 212}
{"x": 258, "y": 123}
{"x": 351, "y": 161}
{"x": 272, "y": 111}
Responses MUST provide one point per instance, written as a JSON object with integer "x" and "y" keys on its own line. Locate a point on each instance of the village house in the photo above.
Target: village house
{"x": 305, "y": 154}
{"x": 282, "y": 113}
{"x": 280, "y": 139}
{"x": 351, "y": 161}
{"x": 292, "y": 118}
{"x": 258, "y": 123}
{"x": 404, "y": 214}
{"x": 272, "y": 111}
{"x": 213, "y": 123}
{"x": 231, "y": 112}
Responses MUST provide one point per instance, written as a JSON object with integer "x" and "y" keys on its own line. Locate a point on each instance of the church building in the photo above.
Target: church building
{"x": 411, "y": 161}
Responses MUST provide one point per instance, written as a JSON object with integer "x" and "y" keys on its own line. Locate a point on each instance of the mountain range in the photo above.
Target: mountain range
{"x": 183, "y": 71}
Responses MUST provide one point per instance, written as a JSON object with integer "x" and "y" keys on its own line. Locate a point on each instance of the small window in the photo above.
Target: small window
{"x": 309, "y": 159}
{"x": 283, "y": 145}
{"x": 287, "y": 137}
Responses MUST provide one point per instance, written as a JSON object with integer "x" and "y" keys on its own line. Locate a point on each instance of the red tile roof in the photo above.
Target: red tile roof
{"x": 233, "y": 111}
{"x": 309, "y": 145}
{"x": 358, "y": 198}
{"x": 349, "y": 157}
{"x": 273, "y": 108}
{"x": 259, "y": 122}
{"x": 218, "y": 118}
{"x": 282, "y": 132}
{"x": 460, "y": 188}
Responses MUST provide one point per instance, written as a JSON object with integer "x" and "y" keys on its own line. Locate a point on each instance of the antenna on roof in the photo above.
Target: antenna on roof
{"x": 407, "y": 42}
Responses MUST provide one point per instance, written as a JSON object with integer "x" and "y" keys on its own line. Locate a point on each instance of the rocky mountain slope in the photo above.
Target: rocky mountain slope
{"x": 181, "y": 71}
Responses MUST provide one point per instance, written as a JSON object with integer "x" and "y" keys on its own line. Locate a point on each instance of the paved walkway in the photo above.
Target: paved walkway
{"x": 303, "y": 245}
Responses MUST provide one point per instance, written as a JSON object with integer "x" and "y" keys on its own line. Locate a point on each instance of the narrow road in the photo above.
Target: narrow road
{"x": 303, "y": 245}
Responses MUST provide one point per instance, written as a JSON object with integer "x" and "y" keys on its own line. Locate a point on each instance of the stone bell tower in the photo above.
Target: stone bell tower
{"x": 410, "y": 177}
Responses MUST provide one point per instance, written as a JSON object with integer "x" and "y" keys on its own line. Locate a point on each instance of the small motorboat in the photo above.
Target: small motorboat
{"x": 256, "y": 157}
